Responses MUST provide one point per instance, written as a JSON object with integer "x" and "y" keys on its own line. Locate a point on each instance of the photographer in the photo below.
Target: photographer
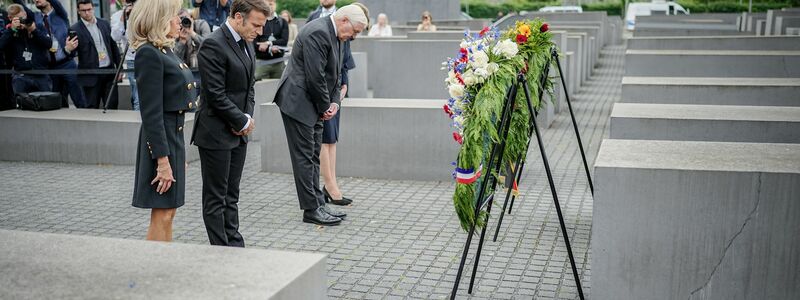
{"x": 54, "y": 20}
{"x": 27, "y": 44}
{"x": 119, "y": 26}
{"x": 193, "y": 32}
{"x": 215, "y": 12}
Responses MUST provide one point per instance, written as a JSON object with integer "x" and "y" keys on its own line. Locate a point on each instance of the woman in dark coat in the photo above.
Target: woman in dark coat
{"x": 166, "y": 91}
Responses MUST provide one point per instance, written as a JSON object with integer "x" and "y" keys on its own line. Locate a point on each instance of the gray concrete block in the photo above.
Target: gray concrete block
{"x": 781, "y": 23}
{"x": 713, "y": 91}
{"x": 785, "y": 43}
{"x": 761, "y": 27}
{"x": 752, "y": 18}
{"x": 400, "y": 139}
{"x": 403, "y": 11}
{"x": 359, "y": 77}
{"x": 652, "y": 32}
{"x": 592, "y": 33}
{"x": 436, "y": 35}
{"x": 265, "y": 93}
{"x": 793, "y": 31}
{"x": 712, "y": 63}
{"x": 55, "y": 266}
{"x": 696, "y": 220}
{"x": 85, "y": 136}
{"x": 368, "y": 45}
{"x": 575, "y": 44}
{"x": 712, "y": 123}
{"x": 700, "y": 18}
{"x": 771, "y": 21}
{"x": 411, "y": 69}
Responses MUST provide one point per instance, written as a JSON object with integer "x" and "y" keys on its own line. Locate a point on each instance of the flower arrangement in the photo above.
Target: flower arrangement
{"x": 478, "y": 78}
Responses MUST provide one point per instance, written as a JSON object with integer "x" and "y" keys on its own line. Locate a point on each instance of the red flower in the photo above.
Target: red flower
{"x": 463, "y": 51}
{"x": 447, "y": 110}
{"x": 484, "y": 31}
{"x": 544, "y": 27}
{"x": 458, "y": 138}
{"x": 521, "y": 39}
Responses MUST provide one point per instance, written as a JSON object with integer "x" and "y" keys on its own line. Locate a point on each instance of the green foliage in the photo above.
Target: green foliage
{"x": 482, "y": 9}
{"x": 300, "y": 9}
{"x": 732, "y": 6}
{"x": 612, "y": 8}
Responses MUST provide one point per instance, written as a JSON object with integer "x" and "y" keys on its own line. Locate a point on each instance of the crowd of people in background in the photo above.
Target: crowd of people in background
{"x": 45, "y": 40}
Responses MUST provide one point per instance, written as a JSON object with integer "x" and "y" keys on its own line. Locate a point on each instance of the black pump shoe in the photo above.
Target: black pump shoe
{"x": 341, "y": 202}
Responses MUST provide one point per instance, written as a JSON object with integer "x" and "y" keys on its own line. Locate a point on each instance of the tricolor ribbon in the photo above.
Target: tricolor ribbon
{"x": 467, "y": 176}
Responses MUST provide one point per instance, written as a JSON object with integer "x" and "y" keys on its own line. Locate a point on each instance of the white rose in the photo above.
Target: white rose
{"x": 456, "y": 91}
{"x": 506, "y": 48}
{"x": 492, "y": 68}
{"x": 480, "y": 59}
{"x": 464, "y": 44}
{"x": 469, "y": 78}
{"x": 451, "y": 78}
{"x": 482, "y": 73}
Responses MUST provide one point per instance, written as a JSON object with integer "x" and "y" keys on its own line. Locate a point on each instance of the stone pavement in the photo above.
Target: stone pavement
{"x": 401, "y": 238}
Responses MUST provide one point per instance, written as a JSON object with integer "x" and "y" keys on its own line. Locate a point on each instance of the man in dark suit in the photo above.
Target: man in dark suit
{"x": 224, "y": 119}
{"x": 96, "y": 51}
{"x": 327, "y": 8}
{"x": 308, "y": 94}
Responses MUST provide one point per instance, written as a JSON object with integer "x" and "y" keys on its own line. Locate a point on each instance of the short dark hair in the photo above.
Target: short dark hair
{"x": 84, "y": 2}
{"x": 244, "y": 7}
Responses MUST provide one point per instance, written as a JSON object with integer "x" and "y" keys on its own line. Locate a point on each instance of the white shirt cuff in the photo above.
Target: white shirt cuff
{"x": 334, "y": 103}
{"x": 248, "y": 122}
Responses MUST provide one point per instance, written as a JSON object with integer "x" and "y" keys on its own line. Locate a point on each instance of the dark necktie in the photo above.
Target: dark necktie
{"x": 46, "y": 19}
{"x": 243, "y": 46}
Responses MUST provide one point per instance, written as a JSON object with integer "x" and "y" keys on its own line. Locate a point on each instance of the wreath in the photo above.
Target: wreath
{"x": 477, "y": 80}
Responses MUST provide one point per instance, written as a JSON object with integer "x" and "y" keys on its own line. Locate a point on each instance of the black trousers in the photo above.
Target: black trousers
{"x": 221, "y": 172}
{"x": 305, "y": 143}
{"x": 96, "y": 95}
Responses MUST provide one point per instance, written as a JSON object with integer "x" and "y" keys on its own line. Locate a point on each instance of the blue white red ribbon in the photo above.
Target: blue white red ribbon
{"x": 467, "y": 176}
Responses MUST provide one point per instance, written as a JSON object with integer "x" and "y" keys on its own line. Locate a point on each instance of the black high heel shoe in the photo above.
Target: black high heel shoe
{"x": 341, "y": 202}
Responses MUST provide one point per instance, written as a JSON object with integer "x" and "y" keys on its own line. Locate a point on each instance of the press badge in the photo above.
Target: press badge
{"x": 27, "y": 55}
{"x": 54, "y": 47}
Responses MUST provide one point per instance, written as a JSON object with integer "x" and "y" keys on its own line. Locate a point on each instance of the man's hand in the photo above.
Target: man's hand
{"x": 247, "y": 130}
{"x": 72, "y": 44}
{"x": 184, "y": 35}
{"x": 16, "y": 24}
{"x": 330, "y": 112}
{"x": 263, "y": 46}
{"x": 275, "y": 49}
{"x": 344, "y": 92}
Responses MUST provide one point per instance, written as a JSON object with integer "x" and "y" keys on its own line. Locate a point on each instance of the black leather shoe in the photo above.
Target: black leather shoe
{"x": 341, "y": 202}
{"x": 319, "y": 217}
{"x": 329, "y": 210}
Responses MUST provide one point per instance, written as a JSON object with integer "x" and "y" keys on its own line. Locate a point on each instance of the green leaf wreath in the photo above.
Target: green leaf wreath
{"x": 478, "y": 80}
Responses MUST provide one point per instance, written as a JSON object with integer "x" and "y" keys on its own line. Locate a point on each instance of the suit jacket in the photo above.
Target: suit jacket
{"x": 164, "y": 85}
{"x": 87, "y": 53}
{"x": 347, "y": 61}
{"x": 228, "y": 75}
{"x": 310, "y": 82}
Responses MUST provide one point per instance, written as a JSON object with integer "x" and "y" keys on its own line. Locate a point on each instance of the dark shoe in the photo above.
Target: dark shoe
{"x": 319, "y": 217}
{"x": 341, "y": 202}
{"x": 329, "y": 210}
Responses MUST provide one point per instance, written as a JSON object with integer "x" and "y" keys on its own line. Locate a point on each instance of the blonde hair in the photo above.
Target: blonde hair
{"x": 14, "y": 9}
{"x": 150, "y": 23}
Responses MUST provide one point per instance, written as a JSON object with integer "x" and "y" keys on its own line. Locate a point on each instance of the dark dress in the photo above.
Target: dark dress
{"x": 167, "y": 90}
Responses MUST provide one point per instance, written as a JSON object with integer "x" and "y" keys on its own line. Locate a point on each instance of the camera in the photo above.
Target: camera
{"x": 186, "y": 22}
{"x": 26, "y": 21}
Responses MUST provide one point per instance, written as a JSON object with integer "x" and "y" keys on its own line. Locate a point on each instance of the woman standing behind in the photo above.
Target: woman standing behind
{"x": 382, "y": 28}
{"x": 427, "y": 22}
{"x": 166, "y": 90}
{"x": 286, "y": 15}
